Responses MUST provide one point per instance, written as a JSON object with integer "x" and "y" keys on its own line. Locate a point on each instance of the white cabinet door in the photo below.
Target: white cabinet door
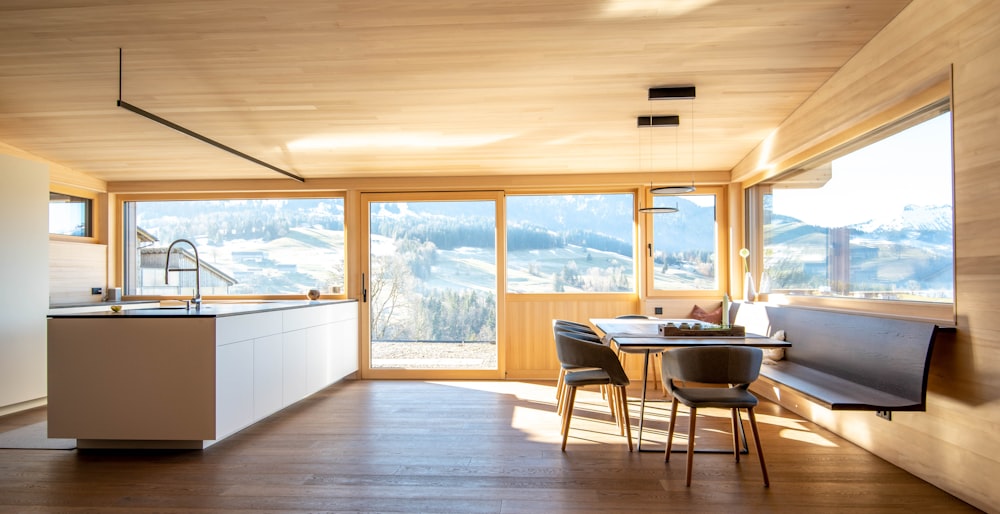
{"x": 344, "y": 357}
{"x": 344, "y": 353}
{"x": 267, "y": 376}
{"x": 320, "y": 342}
{"x": 294, "y": 357}
{"x": 234, "y": 387}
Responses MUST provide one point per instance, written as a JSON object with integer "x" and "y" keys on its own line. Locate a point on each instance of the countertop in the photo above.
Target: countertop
{"x": 209, "y": 309}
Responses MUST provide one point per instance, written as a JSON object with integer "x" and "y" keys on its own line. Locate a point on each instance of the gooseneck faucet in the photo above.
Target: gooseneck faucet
{"x": 197, "y": 271}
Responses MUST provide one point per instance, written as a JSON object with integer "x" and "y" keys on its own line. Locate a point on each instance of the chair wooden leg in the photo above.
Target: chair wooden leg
{"x": 690, "y": 456}
{"x": 623, "y": 406}
{"x": 670, "y": 431}
{"x": 756, "y": 442}
{"x": 607, "y": 391}
{"x": 616, "y": 400}
{"x": 561, "y": 403}
{"x": 736, "y": 433}
{"x": 570, "y": 398}
{"x": 559, "y": 383}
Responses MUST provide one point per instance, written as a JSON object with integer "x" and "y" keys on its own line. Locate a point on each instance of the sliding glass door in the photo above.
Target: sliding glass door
{"x": 431, "y": 283}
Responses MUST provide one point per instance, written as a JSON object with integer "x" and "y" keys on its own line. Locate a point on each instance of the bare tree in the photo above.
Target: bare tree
{"x": 389, "y": 277}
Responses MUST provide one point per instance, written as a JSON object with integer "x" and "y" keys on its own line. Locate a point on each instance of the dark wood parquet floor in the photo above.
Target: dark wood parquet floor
{"x": 463, "y": 447}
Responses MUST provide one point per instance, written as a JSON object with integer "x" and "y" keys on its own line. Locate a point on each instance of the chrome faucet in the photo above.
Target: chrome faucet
{"x": 196, "y": 300}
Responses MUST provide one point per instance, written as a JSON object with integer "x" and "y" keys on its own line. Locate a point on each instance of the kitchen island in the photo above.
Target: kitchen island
{"x": 176, "y": 378}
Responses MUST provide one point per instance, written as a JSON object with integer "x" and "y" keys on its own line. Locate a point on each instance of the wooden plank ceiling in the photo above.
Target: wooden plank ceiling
{"x": 396, "y": 88}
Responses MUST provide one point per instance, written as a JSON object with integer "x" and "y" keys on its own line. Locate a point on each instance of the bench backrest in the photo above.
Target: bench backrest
{"x": 890, "y": 355}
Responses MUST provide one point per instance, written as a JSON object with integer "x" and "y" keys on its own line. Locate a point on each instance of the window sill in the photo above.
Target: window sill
{"x": 941, "y": 313}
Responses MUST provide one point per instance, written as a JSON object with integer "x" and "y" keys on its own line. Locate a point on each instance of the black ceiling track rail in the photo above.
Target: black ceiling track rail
{"x": 146, "y": 114}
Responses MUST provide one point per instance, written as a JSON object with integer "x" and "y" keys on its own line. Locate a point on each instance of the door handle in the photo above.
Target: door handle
{"x": 364, "y": 289}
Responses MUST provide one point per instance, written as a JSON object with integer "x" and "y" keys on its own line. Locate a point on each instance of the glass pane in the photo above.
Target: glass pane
{"x": 875, "y": 223}
{"x": 570, "y": 243}
{"x": 685, "y": 252}
{"x": 432, "y": 288}
{"x": 246, "y": 247}
{"x": 69, "y": 215}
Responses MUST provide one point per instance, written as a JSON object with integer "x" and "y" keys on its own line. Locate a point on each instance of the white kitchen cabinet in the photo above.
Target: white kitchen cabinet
{"x": 185, "y": 379}
{"x": 234, "y": 387}
{"x": 319, "y": 342}
{"x": 267, "y": 376}
{"x": 343, "y": 357}
{"x": 294, "y": 352}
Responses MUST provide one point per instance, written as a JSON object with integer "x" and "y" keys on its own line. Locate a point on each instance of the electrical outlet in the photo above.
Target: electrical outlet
{"x": 96, "y": 290}
{"x": 657, "y": 310}
{"x": 884, "y": 414}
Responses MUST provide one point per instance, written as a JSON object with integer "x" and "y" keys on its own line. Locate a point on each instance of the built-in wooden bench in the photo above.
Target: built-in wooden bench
{"x": 846, "y": 361}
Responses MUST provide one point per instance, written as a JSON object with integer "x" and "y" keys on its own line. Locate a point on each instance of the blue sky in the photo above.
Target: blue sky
{"x": 913, "y": 167}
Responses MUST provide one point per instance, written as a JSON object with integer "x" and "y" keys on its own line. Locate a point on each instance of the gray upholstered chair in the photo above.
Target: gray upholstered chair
{"x": 598, "y": 365}
{"x": 584, "y": 332}
{"x": 574, "y": 326}
{"x": 736, "y": 366}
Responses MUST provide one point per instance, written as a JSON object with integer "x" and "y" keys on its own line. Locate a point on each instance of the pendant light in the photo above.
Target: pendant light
{"x": 659, "y": 210}
{"x": 676, "y": 93}
{"x": 656, "y": 121}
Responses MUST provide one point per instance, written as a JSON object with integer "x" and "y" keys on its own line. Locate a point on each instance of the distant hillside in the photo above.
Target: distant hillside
{"x": 928, "y": 224}
{"x": 684, "y": 230}
{"x": 907, "y": 254}
{"x": 539, "y": 222}
{"x": 913, "y": 219}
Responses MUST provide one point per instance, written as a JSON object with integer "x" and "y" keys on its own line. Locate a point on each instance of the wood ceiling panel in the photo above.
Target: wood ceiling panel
{"x": 395, "y": 88}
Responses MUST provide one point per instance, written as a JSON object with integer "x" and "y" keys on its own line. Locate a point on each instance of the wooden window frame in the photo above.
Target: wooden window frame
{"x": 94, "y": 199}
{"x": 721, "y": 245}
{"x": 119, "y": 234}
{"x": 921, "y": 108}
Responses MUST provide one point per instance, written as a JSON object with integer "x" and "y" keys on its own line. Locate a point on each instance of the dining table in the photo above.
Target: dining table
{"x": 643, "y": 336}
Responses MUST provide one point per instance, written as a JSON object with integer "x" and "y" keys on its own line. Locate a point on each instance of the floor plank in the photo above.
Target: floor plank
{"x": 465, "y": 447}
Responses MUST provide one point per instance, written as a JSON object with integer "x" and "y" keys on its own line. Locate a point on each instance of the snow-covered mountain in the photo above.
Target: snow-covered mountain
{"x": 913, "y": 218}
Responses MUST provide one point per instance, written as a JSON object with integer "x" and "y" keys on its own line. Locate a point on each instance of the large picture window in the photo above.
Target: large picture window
{"x": 872, "y": 220}
{"x": 572, "y": 243}
{"x": 683, "y": 249}
{"x": 257, "y": 246}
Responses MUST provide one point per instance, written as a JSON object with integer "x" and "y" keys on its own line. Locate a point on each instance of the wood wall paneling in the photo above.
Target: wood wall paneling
{"x": 531, "y": 353}
{"x": 954, "y": 443}
{"x": 74, "y": 268}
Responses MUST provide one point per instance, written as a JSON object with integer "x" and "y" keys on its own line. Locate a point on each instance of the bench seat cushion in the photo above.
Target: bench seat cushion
{"x": 833, "y": 392}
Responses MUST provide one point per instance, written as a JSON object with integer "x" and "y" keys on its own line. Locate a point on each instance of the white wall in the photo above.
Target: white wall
{"x": 24, "y": 273}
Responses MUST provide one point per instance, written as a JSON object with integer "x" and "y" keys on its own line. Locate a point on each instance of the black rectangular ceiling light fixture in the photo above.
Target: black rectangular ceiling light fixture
{"x": 658, "y": 121}
{"x": 671, "y": 93}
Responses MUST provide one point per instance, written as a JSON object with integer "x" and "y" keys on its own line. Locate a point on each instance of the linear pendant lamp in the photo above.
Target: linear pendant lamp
{"x": 658, "y": 121}
{"x": 167, "y": 123}
{"x": 674, "y": 93}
